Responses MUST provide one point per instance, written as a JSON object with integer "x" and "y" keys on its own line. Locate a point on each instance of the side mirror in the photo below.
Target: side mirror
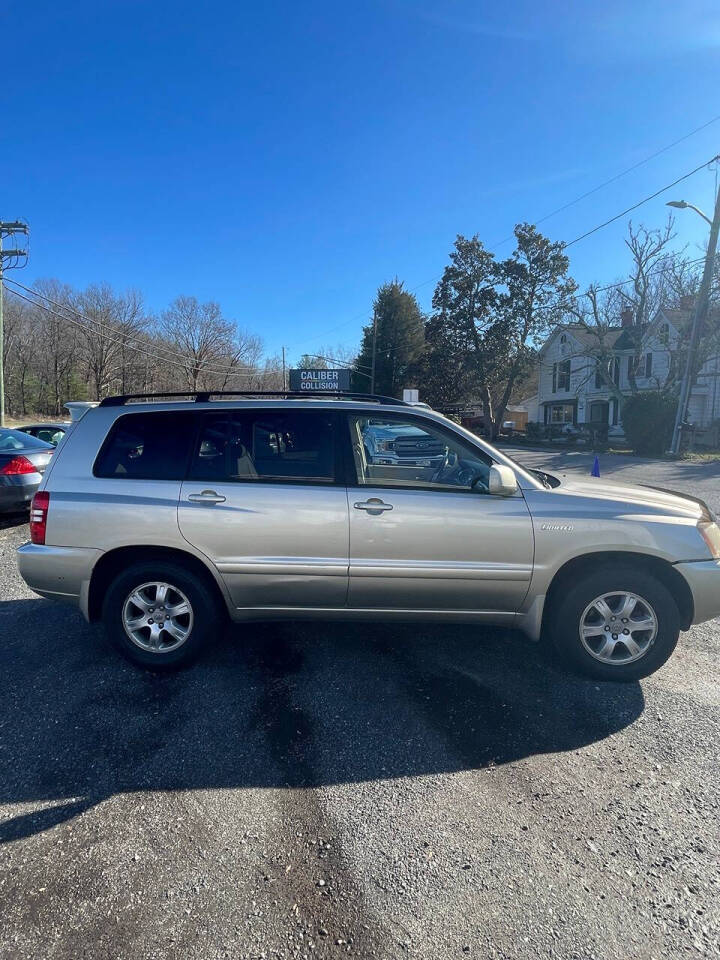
{"x": 502, "y": 481}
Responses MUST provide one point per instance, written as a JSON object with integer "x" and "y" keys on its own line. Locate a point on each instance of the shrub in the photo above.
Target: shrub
{"x": 535, "y": 431}
{"x": 648, "y": 419}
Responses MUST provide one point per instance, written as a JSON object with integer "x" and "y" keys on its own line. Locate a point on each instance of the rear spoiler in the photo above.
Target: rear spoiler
{"x": 78, "y": 408}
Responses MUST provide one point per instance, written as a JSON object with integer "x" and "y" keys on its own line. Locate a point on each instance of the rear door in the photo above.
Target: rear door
{"x": 264, "y": 500}
{"x": 425, "y": 533}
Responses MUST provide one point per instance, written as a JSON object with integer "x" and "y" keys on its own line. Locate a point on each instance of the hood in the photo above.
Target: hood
{"x": 647, "y": 499}
{"x": 394, "y": 432}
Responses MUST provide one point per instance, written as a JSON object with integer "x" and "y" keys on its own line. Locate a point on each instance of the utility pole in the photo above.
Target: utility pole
{"x": 699, "y": 315}
{"x": 374, "y": 351}
{"x": 283, "y": 363}
{"x": 7, "y": 229}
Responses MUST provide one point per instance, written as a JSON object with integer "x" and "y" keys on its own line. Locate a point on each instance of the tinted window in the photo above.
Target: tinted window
{"x": 408, "y": 452}
{"x": 285, "y": 445}
{"x": 147, "y": 446}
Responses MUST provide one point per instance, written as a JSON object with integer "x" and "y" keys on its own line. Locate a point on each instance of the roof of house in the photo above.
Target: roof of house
{"x": 681, "y": 318}
{"x": 586, "y": 334}
{"x": 621, "y": 338}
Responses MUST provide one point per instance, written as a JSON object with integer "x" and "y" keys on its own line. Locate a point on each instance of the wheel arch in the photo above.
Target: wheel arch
{"x": 663, "y": 570}
{"x": 113, "y": 562}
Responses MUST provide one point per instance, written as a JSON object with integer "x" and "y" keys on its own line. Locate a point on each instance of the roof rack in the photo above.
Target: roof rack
{"x": 204, "y": 396}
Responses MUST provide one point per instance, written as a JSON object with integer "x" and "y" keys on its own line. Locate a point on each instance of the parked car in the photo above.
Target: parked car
{"x": 49, "y": 432}
{"x": 23, "y": 460}
{"x": 163, "y": 519}
{"x": 401, "y": 444}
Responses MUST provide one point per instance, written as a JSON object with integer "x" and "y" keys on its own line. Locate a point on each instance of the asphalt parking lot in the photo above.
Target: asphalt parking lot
{"x": 373, "y": 791}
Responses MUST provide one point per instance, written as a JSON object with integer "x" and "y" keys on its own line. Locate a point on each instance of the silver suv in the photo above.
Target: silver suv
{"x": 163, "y": 519}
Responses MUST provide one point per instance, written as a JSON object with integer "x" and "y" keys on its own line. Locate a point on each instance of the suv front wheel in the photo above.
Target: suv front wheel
{"x": 615, "y": 624}
{"x": 160, "y": 615}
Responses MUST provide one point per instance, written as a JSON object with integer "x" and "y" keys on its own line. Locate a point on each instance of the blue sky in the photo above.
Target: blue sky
{"x": 285, "y": 158}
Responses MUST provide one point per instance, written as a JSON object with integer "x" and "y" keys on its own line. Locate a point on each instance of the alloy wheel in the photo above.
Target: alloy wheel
{"x": 157, "y": 617}
{"x": 618, "y": 627}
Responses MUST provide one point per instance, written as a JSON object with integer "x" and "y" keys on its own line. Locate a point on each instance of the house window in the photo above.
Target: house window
{"x": 641, "y": 365}
{"x": 613, "y": 371}
{"x": 599, "y": 382}
{"x": 562, "y": 413}
{"x": 563, "y": 339}
{"x": 561, "y": 376}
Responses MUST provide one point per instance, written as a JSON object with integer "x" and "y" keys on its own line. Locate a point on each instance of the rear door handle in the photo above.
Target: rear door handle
{"x": 373, "y": 505}
{"x": 207, "y": 496}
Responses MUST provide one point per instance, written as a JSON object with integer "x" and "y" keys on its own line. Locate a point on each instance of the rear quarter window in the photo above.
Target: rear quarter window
{"x": 147, "y": 446}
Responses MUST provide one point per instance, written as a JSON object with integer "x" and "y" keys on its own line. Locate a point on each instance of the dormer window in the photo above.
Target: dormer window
{"x": 563, "y": 338}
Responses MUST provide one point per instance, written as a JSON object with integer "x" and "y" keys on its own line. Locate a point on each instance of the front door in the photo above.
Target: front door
{"x": 599, "y": 410}
{"x": 425, "y": 533}
{"x": 263, "y": 502}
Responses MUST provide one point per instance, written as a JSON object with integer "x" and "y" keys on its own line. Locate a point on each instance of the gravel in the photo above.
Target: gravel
{"x": 377, "y": 791}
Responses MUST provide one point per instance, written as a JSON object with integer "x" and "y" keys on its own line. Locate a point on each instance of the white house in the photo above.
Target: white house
{"x": 572, "y": 392}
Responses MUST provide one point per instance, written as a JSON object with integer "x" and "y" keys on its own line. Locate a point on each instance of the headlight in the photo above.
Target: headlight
{"x": 710, "y": 532}
{"x": 386, "y": 444}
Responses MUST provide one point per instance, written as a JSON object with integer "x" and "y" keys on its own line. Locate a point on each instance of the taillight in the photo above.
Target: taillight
{"x": 16, "y": 466}
{"x": 38, "y": 516}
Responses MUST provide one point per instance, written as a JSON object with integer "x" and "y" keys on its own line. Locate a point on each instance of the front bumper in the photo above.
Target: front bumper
{"x": 60, "y": 573}
{"x": 703, "y": 578}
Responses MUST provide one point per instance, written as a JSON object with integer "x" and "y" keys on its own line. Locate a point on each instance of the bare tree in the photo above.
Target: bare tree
{"x": 214, "y": 353}
{"x": 58, "y": 356}
{"x": 655, "y": 278}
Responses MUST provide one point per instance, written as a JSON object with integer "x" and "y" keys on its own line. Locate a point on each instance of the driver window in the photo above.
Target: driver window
{"x": 401, "y": 451}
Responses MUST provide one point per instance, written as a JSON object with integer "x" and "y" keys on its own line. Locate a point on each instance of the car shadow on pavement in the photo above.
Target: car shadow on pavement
{"x": 275, "y": 705}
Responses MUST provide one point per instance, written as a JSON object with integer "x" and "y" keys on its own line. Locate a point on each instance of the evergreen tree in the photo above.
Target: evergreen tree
{"x": 400, "y": 340}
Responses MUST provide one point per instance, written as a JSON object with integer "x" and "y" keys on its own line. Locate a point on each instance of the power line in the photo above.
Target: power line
{"x": 184, "y": 359}
{"x": 641, "y": 202}
{"x": 571, "y": 203}
{"x": 347, "y": 363}
{"x": 635, "y": 206}
{"x": 62, "y": 306}
{"x": 129, "y": 346}
{"x": 618, "y": 176}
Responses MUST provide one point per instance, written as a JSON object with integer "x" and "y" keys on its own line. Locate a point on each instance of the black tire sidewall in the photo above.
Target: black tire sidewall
{"x": 204, "y": 606}
{"x": 564, "y": 622}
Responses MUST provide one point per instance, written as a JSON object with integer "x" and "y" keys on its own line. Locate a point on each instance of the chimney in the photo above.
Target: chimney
{"x": 626, "y": 317}
{"x": 687, "y": 302}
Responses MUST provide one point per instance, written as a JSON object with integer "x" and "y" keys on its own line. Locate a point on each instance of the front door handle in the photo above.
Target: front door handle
{"x": 374, "y": 505}
{"x": 207, "y": 496}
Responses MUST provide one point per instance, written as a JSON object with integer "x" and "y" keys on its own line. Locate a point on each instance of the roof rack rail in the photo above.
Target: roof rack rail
{"x": 204, "y": 396}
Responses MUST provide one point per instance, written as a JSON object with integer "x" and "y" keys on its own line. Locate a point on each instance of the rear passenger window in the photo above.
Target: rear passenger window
{"x": 287, "y": 445}
{"x": 147, "y": 446}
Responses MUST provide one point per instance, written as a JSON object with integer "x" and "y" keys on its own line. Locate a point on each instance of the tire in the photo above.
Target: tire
{"x": 135, "y": 599}
{"x": 645, "y": 639}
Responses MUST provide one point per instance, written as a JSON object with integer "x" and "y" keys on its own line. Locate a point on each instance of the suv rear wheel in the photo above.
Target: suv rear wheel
{"x": 159, "y": 615}
{"x": 615, "y": 624}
